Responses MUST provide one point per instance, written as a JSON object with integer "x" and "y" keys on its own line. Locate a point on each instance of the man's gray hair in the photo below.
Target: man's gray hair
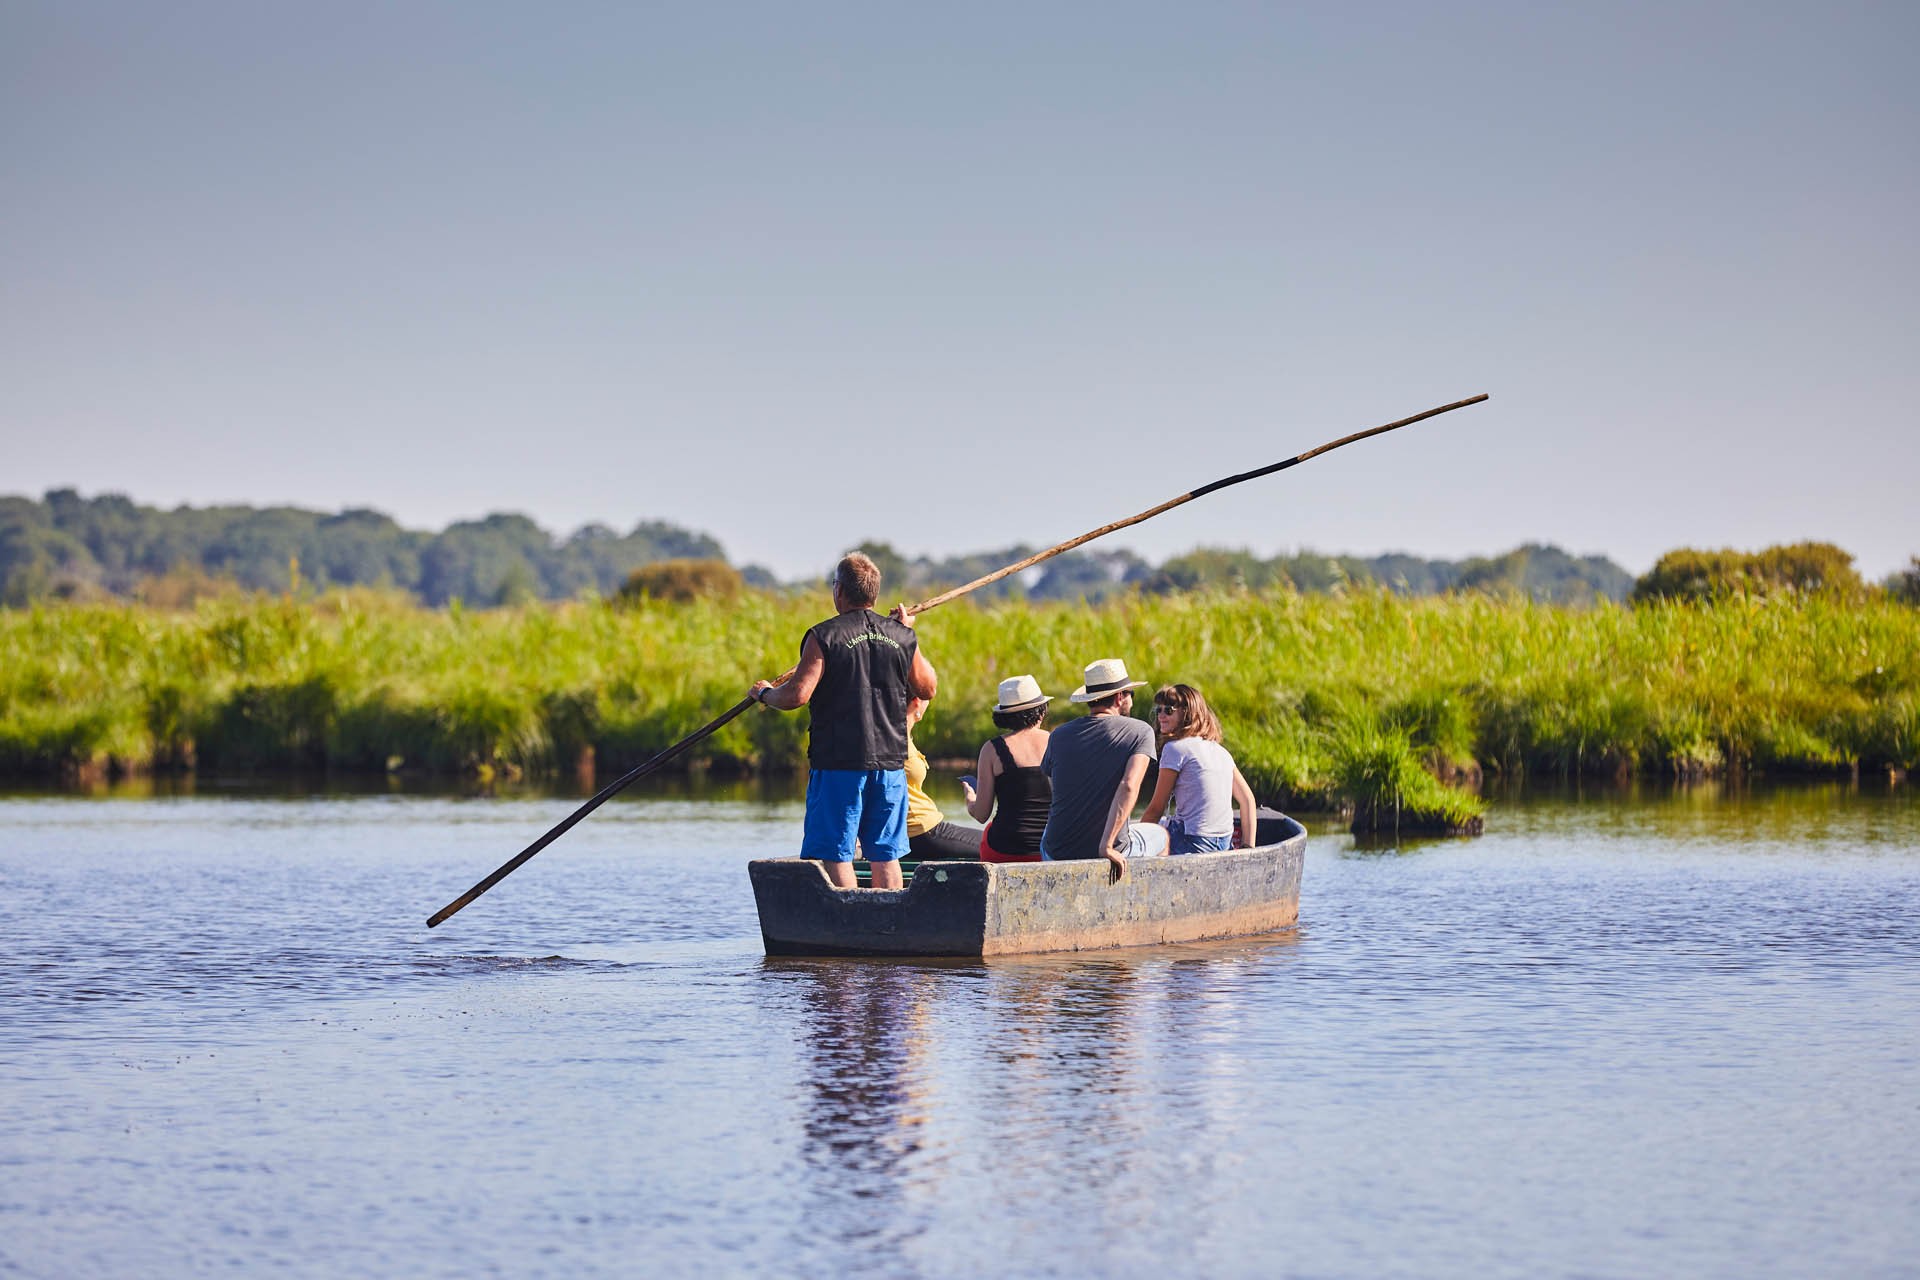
{"x": 858, "y": 579}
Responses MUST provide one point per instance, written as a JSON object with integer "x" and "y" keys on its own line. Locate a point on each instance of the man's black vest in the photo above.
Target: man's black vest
{"x": 859, "y": 708}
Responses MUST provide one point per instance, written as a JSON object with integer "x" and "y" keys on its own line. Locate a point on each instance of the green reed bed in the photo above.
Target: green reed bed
{"x": 1321, "y": 696}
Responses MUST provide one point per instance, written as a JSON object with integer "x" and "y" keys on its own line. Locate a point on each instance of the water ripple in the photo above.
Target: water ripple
{"x": 1628, "y": 1043}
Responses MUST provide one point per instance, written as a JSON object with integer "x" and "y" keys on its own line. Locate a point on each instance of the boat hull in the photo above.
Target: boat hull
{"x": 988, "y": 909}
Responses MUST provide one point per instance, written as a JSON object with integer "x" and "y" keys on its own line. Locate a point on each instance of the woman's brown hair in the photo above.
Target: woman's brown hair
{"x": 1192, "y": 717}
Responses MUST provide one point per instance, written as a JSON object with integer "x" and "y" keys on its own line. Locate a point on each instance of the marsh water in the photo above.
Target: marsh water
{"x": 1625, "y": 1033}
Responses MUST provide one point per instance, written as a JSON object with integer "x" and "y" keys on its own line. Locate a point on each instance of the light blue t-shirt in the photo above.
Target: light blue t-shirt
{"x": 1203, "y": 793}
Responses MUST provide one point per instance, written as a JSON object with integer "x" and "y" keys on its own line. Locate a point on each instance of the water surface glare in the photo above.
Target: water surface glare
{"x": 1671, "y": 1034}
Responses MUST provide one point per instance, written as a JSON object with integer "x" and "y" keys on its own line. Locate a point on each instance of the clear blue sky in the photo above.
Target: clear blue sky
{"x": 956, "y": 276}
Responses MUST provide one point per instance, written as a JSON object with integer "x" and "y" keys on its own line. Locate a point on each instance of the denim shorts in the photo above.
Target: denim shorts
{"x": 845, "y": 805}
{"x": 1179, "y": 842}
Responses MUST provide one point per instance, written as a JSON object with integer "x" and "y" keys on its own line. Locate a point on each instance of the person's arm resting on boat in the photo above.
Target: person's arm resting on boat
{"x": 1123, "y": 797}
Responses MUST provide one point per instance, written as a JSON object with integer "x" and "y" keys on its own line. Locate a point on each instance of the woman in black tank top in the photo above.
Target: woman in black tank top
{"x": 1013, "y": 795}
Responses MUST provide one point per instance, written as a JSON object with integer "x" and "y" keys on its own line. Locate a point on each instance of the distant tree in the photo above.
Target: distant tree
{"x": 1689, "y": 574}
{"x": 475, "y": 559}
{"x": 259, "y": 548}
{"x": 1409, "y": 575}
{"x": 361, "y": 547}
{"x": 516, "y": 587}
{"x": 117, "y": 534}
{"x": 1090, "y": 575}
{"x": 663, "y": 541}
{"x": 599, "y": 559}
{"x": 1809, "y": 567}
{"x": 1586, "y": 578}
{"x": 1804, "y": 567}
{"x": 1213, "y": 568}
{"x": 602, "y": 559}
{"x": 683, "y": 580}
{"x": 66, "y": 545}
{"x": 896, "y": 572}
{"x": 1905, "y": 585}
{"x": 110, "y": 526}
{"x": 759, "y": 577}
{"x": 952, "y": 571}
{"x": 1308, "y": 571}
{"x": 1499, "y": 575}
{"x": 39, "y": 562}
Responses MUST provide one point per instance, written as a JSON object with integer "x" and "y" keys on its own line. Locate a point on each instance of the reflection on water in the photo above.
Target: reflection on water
{"x": 1120, "y": 1067}
{"x": 867, "y": 1088}
{"x": 1664, "y": 1031}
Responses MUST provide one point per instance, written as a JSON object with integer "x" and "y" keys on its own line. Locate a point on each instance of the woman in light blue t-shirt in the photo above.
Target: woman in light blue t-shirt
{"x": 1198, "y": 776}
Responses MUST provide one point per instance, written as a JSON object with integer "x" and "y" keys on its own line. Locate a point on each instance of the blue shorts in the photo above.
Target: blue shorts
{"x": 1180, "y": 842}
{"x": 848, "y": 804}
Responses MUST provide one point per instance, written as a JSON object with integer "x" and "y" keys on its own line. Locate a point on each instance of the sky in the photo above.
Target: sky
{"x": 954, "y": 277}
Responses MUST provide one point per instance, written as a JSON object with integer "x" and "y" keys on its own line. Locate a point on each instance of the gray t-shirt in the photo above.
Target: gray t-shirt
{"x": 1086, "y": 758}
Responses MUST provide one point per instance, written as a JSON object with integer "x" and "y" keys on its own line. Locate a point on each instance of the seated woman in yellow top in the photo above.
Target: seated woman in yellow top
{"x": 929, "y": 834}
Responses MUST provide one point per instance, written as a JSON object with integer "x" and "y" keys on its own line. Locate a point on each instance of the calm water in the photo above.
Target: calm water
{"x": 1619, "y": 1036}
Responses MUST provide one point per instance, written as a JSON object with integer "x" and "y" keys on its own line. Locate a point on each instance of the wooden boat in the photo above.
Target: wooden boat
{"x": 995, "y": 909}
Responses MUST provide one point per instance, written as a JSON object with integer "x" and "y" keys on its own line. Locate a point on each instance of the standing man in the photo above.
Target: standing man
{"x": 1096, "y": 764}
{"x": 857, "y": 671}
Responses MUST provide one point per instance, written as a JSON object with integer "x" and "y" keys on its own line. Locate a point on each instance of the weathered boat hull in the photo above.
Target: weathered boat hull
{"x": 986, "y": 909}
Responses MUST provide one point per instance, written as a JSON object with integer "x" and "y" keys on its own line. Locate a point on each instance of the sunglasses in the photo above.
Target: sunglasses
{"x": 1162, "y": 709}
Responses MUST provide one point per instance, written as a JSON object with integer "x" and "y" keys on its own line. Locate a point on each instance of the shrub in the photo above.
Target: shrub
{"x": 683, "y": 580}
{"x": 1806, "y": 567}
{"x": 1377, "y": 766}
{"x": 1809, "y": 568}
{"x": 184, "y": 587}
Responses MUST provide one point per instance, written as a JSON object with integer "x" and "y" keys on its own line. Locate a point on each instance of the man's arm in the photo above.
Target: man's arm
{"x": 922, "y": 679}
{"x": 1123, "y": 797}
{"x": 792, "y": 693}
{"x": 1162, "y": 793}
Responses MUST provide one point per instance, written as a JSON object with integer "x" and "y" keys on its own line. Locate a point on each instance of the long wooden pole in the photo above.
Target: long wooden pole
{"x": 1171, "y": 503}
{"x": 600, "y": 797}
{"x": 681, "y": 747}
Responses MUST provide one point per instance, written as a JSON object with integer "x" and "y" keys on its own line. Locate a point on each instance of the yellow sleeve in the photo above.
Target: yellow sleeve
{"x": 922, "y": 814}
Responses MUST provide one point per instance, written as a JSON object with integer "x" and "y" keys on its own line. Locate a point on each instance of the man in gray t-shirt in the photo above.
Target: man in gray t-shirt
{"x": 1096, "y": 765}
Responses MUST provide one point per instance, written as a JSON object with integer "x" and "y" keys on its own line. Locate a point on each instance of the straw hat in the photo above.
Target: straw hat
{"x": 1021, "y": 693}
{"x": 1105, "y": 677}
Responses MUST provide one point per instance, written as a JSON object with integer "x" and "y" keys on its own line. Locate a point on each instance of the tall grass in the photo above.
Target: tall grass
{"x": 1377, "y": 765}
{"x": 363, "y": 682}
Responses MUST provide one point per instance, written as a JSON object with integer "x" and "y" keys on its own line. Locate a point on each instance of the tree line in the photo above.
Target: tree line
{"x": 1539, "y": 572}
{"x": 66, "y": 546}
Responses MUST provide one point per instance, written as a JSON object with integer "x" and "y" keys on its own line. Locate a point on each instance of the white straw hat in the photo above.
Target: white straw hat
{"x": 1105, "y": 678}
{"x": 1021, "y": 693}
